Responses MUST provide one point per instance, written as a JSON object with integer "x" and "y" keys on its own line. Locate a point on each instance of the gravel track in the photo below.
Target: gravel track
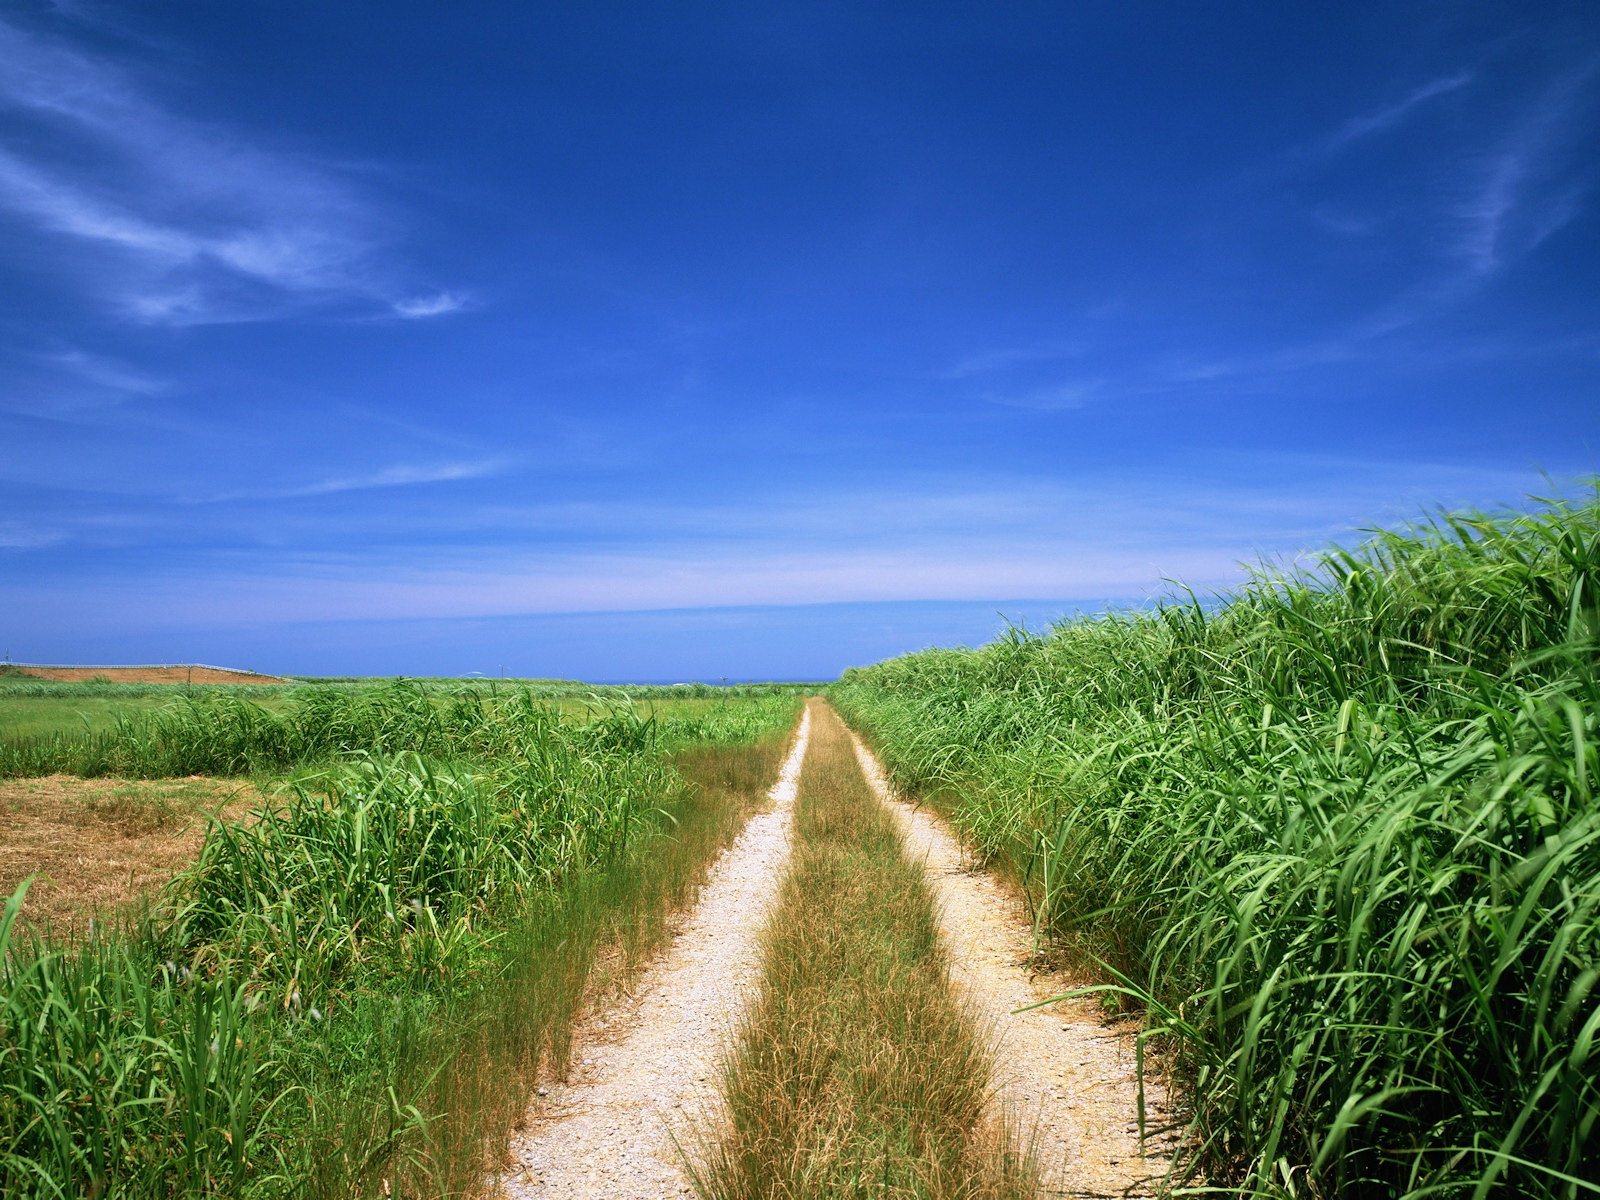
{"x": 647, "y": 1070}
{"x": 1061, "y": 1073}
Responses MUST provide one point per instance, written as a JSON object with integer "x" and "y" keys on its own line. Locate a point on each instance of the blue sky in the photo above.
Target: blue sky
{"x": 664, "y": 341}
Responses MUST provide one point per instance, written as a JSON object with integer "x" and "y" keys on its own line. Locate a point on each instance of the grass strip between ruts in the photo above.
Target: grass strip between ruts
{"x": 857, "y": 1070}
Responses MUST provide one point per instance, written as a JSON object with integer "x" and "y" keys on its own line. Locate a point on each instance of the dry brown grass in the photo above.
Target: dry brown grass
{"x": 96, "y": 846}
{"x": 858, "y": 1073}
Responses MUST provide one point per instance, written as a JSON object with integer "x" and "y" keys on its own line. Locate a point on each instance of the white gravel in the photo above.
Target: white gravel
{"x": 1061, "y": 1073}
{"x": 648, "y": 1070}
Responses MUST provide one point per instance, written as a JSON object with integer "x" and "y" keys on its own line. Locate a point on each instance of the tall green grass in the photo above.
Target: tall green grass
{"x": 343, "y": 991}
{"x": 17, "y": 684}
{"x": 237, "y": 731}
{"x": 1338, "y": 834}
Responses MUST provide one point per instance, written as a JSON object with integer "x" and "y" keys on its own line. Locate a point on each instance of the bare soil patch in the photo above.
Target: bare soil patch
{"x": 178, "y": 674}
{"x": 99, "y": 845}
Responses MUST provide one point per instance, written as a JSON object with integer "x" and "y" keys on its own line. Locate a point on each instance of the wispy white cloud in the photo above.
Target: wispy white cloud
{"x": 177, "y": 222}
{"x": 1516, "y": 196}
{"x": 963, "y": 539}
{"x": 1030, "y": 376}
{"x": 1345, "y": 224}
{"x": 14, "y": 535}
{"x": 1250, "y": 500}
{"x": 106, "y": 373}
{"x": 1056, "y": 397}
{"x": 1071, "y": 553}
{"x": 1008, "y": 358}
{"x": 1482, "y": 196}
{"x": 398, "y": 476}
{"x": 71, "y": 385}
{"x": 1369, "y": 124}
{"x": 430, "y": 306}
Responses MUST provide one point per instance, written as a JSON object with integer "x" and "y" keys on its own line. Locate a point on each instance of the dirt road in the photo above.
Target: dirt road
{"x": 646, "y": 1078}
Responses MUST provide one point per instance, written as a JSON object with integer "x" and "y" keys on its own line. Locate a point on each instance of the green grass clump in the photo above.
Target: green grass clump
{"x": 392, "y": 864}
{"x": 1338, "y": 834}
{"x": 122, "y": 1074}
{"x": 84, "y": 729}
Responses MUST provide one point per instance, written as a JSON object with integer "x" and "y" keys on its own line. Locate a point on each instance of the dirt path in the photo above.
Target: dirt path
{"x": 647, "y": 1072}
{"x": 1060, "y": 1072}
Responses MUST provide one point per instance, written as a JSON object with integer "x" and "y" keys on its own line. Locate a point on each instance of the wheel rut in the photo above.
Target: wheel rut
{"x": 647, "y": 1074}
{"x": 1063, "y": 1079}
{"x": 644, "y": 1087}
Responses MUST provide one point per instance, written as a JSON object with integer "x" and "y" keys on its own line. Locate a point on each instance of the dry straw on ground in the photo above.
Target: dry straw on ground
{"x": 95, "y": 846}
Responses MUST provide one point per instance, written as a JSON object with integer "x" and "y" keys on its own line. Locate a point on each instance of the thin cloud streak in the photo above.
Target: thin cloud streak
{"x": 1019, "y": 556}
{"x": 430, "y": 306}
{"x": 1008, "y": 358}
{"x": 1056, "y": 398}
{"x": 1165, "y": 523}
{"x": 398, "y": 476}
{"x": 1510, "y": 181}
{"x": 72, "y": 386}
{"x": 1518, "y": 189}
{"x": 106, "y": 373}
{"x": 619, "y": 583}
{"x": 1367, "y": 125}
{"x": 262, "y": 233}
{"x": 14, "y": 535}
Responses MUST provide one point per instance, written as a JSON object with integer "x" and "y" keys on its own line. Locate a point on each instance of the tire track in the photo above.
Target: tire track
{"x": 648, "y": 1070}
{"x": 1062, "y": 1077}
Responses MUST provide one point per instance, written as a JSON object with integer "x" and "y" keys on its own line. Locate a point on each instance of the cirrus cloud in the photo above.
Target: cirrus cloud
{"x": 170, "y": 220}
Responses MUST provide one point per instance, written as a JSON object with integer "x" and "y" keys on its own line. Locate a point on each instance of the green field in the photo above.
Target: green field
{"x": 33, "y": 707}
{"x": 1333, "y": 839}
{"x": 342, "y": 994}
{"x": 23, "y": 715}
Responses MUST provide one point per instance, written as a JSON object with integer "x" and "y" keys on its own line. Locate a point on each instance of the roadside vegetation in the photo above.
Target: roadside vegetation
{"x": 1337, "y": 834}
{"x": 102, "y": 728}
{"x": 857, "y": 1072}
{"x": 31, "y": 708}
{"x": 351, "y": 991}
